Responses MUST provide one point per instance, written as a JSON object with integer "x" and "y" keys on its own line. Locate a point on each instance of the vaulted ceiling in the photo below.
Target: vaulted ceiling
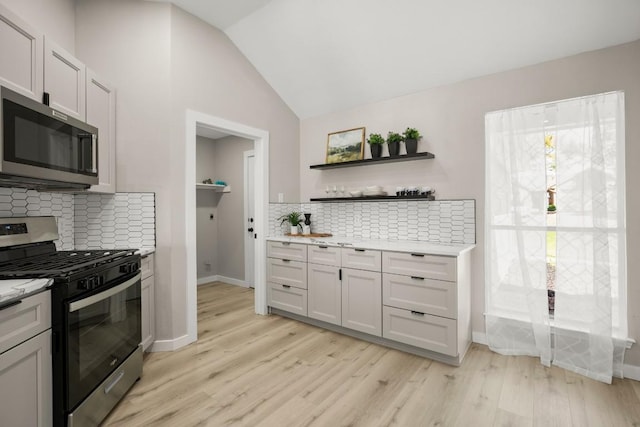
{"x": 323, "y": 56}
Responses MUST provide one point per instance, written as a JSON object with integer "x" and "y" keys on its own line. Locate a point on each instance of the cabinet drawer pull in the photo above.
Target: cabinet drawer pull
{"x": 418, "y": 255}
{"x": 10, "y": 304}
{"x": 359, "y": 250}
{"x": 286, "y": 286}
{"x": 417, "y": 313}
{"x": 323, "y": 247}
{"x": 286, "y": 260}
{"x": 417, "y": 278}
{"x": 286, "y": 243}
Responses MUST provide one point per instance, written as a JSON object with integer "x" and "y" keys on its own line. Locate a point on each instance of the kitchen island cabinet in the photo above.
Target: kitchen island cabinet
{"x": 413, "y": 296}
{"x": 25, "y": 363}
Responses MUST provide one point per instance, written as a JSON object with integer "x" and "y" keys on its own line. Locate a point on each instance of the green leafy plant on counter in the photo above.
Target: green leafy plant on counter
{"x": 376, "y": 139}
{"x": 293, "y": 218}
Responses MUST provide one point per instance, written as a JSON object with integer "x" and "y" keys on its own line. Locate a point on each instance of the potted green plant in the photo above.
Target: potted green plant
{"x": 294, "y": 219}
{"x": 411, "y": 137}
{"x": 393, "y": 141}
{"x": 376, "y": 141}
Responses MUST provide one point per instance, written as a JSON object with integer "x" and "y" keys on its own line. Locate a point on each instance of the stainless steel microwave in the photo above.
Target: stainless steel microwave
{"x": 43, "y": 148}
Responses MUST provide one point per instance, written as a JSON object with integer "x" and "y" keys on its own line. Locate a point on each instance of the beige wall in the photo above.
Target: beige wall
{"x": 164, "y": 61}
{"x": 206, "y": 205}
{"x": 452, "y": 120}
{"x": 231, "y": 220}
{"x": 54, "y": 18}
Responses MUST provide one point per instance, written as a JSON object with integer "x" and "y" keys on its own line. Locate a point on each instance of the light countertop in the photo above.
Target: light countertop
{"x": 427, "y": 248}
{"x": 145, "y": 251}
{"x": 15, "y": 289}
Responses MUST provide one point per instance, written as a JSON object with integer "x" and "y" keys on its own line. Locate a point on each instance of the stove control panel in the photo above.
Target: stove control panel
{"x": 130, "y": 267}
{"x": 91, "y": 282}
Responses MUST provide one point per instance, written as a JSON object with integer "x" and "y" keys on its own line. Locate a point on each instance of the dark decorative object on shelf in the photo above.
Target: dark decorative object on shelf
{"x": 411, "y": 137}
{"x": 376, "y": 141}
{"x": 393, "y": 141}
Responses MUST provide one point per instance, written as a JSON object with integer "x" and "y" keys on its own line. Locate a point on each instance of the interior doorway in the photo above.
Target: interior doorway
{"x": 194, "y": 121}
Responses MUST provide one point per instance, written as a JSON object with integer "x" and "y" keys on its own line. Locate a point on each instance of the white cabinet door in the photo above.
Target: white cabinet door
{"x": 64, "y": 81}
{"x": 362, "y": 301}
{"x": 25, "y": 383}
{"x": 101, "y": 113}
{"x": 21, "y": 55}
{"x": 148, "y": 301}
{"x": 324, "y": 298}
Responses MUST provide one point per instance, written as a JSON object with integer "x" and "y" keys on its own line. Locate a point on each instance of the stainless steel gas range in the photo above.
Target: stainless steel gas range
{"x": 96, "y": 316}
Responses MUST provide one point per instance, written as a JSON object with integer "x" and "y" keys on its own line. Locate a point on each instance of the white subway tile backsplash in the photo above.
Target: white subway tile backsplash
{"x": 442, "y": 221}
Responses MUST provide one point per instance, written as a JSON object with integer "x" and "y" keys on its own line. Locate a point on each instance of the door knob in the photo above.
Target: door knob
{"x": 250, "y": 230}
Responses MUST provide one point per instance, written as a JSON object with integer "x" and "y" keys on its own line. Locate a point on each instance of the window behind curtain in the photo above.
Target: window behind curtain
{"x": 555, "y": 233}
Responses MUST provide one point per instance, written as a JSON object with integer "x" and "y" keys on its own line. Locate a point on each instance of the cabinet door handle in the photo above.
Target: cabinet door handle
{"x": 417, "y": 278}
{"x": 286, "y": 286}
{"x": 359, "y": 250}
{"x": 417, "y": 313}
{"x": 286, "y": 260}
{"x": 340, "y": 274}
{"x": 418, "y": 255}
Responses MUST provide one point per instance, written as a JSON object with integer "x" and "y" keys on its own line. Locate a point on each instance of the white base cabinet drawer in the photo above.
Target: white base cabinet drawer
{"x": 420, "y": 330}
{"x": 286, "y": 250}
{"x": 429, "y": 296}
{"x": 285, "y": 272}
{"x": 419, "y": 265}
{"x": 146, "y": 266}
{"x": 361, "y": 259}
{"x": 22, "y": 321}
{"x": 325, "y": 255}
{"x": 287, "y": 298}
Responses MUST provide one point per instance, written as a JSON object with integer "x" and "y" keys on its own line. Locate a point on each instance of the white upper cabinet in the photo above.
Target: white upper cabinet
{"x": 101, "y": 113}
{"x": 21, "y": 53}
{"x": 64, "y": 80}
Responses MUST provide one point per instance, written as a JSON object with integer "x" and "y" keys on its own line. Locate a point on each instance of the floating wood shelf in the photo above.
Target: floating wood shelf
{"x": 372, "y": 198}
{"x": 379, "y": 160}
{"x": 214, "y": 187}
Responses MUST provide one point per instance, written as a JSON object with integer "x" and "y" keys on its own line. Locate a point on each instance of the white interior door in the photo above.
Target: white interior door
{"x": 249, "y": 204}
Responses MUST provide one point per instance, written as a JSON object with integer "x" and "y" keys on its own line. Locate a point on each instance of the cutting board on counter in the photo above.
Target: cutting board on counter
{"x": 310, "y": 235}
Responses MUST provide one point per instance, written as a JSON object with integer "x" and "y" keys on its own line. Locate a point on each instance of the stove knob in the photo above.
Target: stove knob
{"x": 82, "y": 284}
{"x": 91, "y": 283}
{"x": 125, "y": 268}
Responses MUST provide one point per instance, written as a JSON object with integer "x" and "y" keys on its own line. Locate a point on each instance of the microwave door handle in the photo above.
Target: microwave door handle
{"x": 85, "y": 302}
{"x": 94, "y": 153}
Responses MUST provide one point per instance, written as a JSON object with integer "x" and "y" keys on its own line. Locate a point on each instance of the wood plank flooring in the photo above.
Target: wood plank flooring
{"x": 250, "y": 370}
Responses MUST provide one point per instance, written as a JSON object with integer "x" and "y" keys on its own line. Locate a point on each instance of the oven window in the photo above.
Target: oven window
{"x": 101, "y": 336}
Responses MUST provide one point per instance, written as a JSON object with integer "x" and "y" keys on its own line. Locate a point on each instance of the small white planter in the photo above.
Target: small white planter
{"x": 294, "y": 229}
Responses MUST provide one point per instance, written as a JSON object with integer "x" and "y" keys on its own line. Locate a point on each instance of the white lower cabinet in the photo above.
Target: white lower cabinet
{"x": 325, "y": 293}
{"x": 25, "y": 368}
{"x": 420, "y": 330}
{"x": 148, "y": 301}
{"x": 418, "y": 300}
{"x": 362, "y": 301}
{"x": 287, "y": 277}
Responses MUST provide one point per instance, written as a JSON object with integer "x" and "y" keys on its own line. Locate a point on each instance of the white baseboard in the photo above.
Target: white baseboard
{"x": 208, "y": 279}
{"x": 225, "y": 279}
{"x": 170, "y": 345}
{"x": 631, "y": 371}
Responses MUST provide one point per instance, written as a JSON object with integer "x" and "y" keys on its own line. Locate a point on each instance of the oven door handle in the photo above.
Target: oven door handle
{"x": 85, "y": 302}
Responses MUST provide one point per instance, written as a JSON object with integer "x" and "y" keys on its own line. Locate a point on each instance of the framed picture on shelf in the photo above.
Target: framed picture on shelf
{"x": 345, "y": 145}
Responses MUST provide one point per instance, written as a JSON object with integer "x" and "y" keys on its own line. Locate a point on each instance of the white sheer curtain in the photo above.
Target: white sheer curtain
{"x": 589, "y": 322}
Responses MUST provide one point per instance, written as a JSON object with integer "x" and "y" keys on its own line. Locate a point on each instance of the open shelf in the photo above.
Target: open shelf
{"x": 379, "y": 160}
{"x": 214, "y": 187}
{"x": 372, "y": 198}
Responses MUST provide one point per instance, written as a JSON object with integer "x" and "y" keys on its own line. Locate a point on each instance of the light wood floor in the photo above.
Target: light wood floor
{"x": 250, "y": 370}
